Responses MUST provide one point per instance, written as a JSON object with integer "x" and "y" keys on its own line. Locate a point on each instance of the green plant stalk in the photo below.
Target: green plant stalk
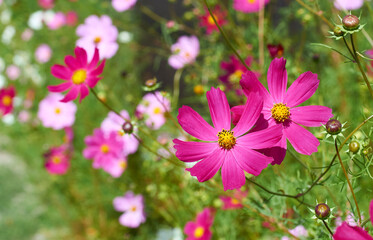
{"x": 348, "y": 181}
{"x": 175, "y": 97}
{"x": 327, "y": 227}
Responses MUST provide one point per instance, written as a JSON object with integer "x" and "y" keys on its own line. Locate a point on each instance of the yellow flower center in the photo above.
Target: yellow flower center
{"x": 133, "y": 209}
{"x": 120, "y": 133}
{"x": 57, "y": 110}
{"x": 236, "y": 76}
{"x": 79, "y": 76}
{"x": 97, "y": 40}
{"x": 56, "y": 160}
{"x": 199, "y": 232}
{"x": 123, "y": 164}
{"x": 280, "y": 112}
{"x": 210, "y": 20}
{"x": 7, "y": 100}
{"x": 198, "y": 89}
{"x": 105, "y": 148}
{"x": 157, "y": 110}
{"x": 251, "y": 1}
{"x": 226, "y": 139}
{"x": 235, "y": 201}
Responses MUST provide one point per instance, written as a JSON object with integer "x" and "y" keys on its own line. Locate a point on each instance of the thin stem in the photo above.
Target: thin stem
{"x": 176, "y": 94}
{"x": 349, "y": 49}
{"x": 261, "y": 35}
{"x": 317, "y": 13}
{"x": 365, "y": 222}
{"x": 327, "y": 227}
{"x": 225, "y": 37}
{"x": 348, "y": 181}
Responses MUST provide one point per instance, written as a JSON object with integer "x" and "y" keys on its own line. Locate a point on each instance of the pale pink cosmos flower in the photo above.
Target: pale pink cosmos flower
{"x": 201, "y": 228}
{"x": 6, "y": 100}
{"x": 348, "y": 4}
{"x": 123, "y": 5}
{"x": 56, "y": 21}
{"x": 98, "y": 32}
{"x": 57, "y": 160}
{"x": 55, "y": 114}
{"x": 114, "y": 123}
{"x": 249, "y": 6}
{"x": 24, "y": 116}
{"x": 232, "y": 150}
{"x": 13, "y": 72}
{"x": 103, "y": 149}
{"x": 79, "y": 75}
{"x": 27, "y": 34}
{"x": 153, "y": 108}
{"x": 115, "y": 167}
{"x": 43, "y": 53}
{"x": 46, "y": 4}
{"x": 280, "y": 108}
{"x": 133, "y": 207}
{"x": 184, "y": 51}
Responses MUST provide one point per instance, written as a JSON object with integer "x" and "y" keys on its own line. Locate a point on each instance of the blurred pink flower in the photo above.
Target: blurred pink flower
{"x": 6, "y": 97}
{"x": 57, "y": 160}
{"x": 56, "y": 21}
{"x": 98, "y": 33}
{"x": 55, "y": 114}
{"x": 208, "y": 22}
{"x": 153, "y": 108}
{"x": 280, "y": 109}
{"x": 43, "y": 53}
{"x": 275, "y": 51}
{"x": 123, "y": 5}
{"x": 231, "y": 150}
{"x": 115, "y": 167}
{"x": 170, "y": 24}
{"x": 46, "y": 4}
{"x": 184, "y": 52}
{"x": 79, "y": 75}
{"x": 69, "y": 135}
{"x": 348, "y": 4}
{"x": 71, "y": 18}
{"x": 201, "y": 228}
{"x": 233, "y": 202}
{"x": 27, "y": 34}
{"x": 114, "y": 123}
{"x": 24, "y": 116}
{"x": 13, "y": 72}
{"x": 133, "y": 208}
{"x": 249, "y": 6}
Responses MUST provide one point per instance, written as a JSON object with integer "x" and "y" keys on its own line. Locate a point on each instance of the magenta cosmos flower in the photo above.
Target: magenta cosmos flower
{"x": 123, "y": 5}
{"x": 133, "y": 207}
{"x": 228, "y": 149}
{"x": 57, "y": 160}
{"x": 234, "y": 202}
{"x": 98, "y": 32}
{"x": 6, "y": 99}
{"x": 208, "y": 22}
{"x": 78, "y": 74}
{"x": 249, "y": 6}
{"x": 184, "y": 52}
{"x": 280, "y": 108}
{"x": 201, "y": 228}
{"x": 347, "y": 232}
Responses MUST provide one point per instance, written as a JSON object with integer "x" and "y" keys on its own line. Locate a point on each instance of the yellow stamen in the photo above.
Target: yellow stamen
{"x": 120, "y": 133}
{"x": 157, "y": 110}
{"x": 56, "y": 160}
{"x": 251, "y": 1}
{"x": 280, "y": 112}
{"x": 133, "y": 209}
{"x": 79, "y": 76}
{"x": 123, "y": 164}
{"x": 236, "y": 76}
{"x": 210, "y": 20}
{"x": 226, "y": 139}
{"x": 105, "y": 148}
{"x": 199, "y": 232}
{"x": 198, "y": 89}
{"x": 97, "y": 40}
{"x": 7, "y": 100}
{"x": 57, "y": 110}
{"x": 235, "y": 201}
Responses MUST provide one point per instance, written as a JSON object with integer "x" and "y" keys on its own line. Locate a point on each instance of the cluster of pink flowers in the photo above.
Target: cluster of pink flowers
{"x": 60, "y": 19}
{"x": 133, "y": 207}
{"x": 208, "y": 22}
{"x": 234, "y": 202}
{"x": 6, "y": 100}
{"x": 201, "y": 228}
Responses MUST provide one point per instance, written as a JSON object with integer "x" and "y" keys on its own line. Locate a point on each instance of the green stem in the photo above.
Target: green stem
{"x": 225, "y": 37}
{"x": 327, "y": 227}
{"x": 176, "y": 94}
{"x": 365, "y": 222}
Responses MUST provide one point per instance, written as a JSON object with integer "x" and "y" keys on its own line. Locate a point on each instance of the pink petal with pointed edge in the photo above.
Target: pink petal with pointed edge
{"x": 250, "y": 83}
{"x": 231, "y": 173}
{"x": 60, "y": 88}
{"x": 250, "y": 115}
{"x": 237, "y": 113}
{"x": 208, "y": 167}
{"x": 219, "y": 109}
{"x": 346, "y": 232}
{"x": 371, "y": 211}
{"x": 277, "y": 152}
{"x": 92, "y": 81}
{"x": 84, "y": 91}
{"x": 302, "y": 89}
{"x": 302, "y": 140}
{"x": 250, "y": 160}
{"x": 95, "y": 59}
{"x": 195, "y": 125}
{"x": 71, "y": 95}
{"x": 99, "y": 69}
{"x": 61, "y": 72}
{"x": 277, "y": 78}
{"x": 193, "y": 151}
{"x": 311, "y": 116}
{"x": 72, "y": 63}
{"x": 81, "y": 56}
{"x": 262, "y": 139}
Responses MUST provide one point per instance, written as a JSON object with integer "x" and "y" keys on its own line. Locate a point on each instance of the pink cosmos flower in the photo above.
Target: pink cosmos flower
{"x": 102, "y": 148}
{"x": 234, "y": 202}
{"x": 43, "y": 53}
{"x": 201, "y": 228}
{"x": 46, "y": 4}
{"x": 114, "y": 123}
{"x": 280, "y": 109}
{"x": 6, "y": 100}
{"x": 55, "y": 114}
{"x": 133, "y": 207}
{"x": 123, "y": 5}
{"x": 185, "y": 51}
{"x": 27, "y": 34}
{"x": 98, "y": 33}
{"x": 116, "y": 167}
{"x": 208, "y": 22}
{"x": 275, "y": 51}
{"x": 57, "y": 160}
{"x": 78, "y": 75}
{"x": 24, "y": 116}
{"x": 153, "y": 108}
{"x": 57, "y": 21}
{"x": 249, "y": 6}
{"x": 229, "y": 149}
{"x": 71, "y": 18}
{"x": 69, "y": 135}
{"x": 348, "y": 4}
{"x": 13, "y": 72}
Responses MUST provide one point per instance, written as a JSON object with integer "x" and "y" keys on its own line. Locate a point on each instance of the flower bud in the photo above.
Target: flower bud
{"x": 322, "y": 211}
{"x": 338, "y": 31}
{"x": 354, "y": 146}
{"x": 151, "y": 82}
{"x": 350, "y": 22}
{"x": 333, "y": 126}
{"x": 127, "y": 127}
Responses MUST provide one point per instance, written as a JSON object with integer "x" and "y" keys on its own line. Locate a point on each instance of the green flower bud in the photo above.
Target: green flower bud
{"x": 354, "y": 146}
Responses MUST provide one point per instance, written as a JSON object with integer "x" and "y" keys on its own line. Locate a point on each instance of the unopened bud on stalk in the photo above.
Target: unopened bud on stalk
{"x": 333, "y": 127}
{"x": 354, "y": 146}
{"x": 322, "y": 211}
{"x": 151, "y": 82}
{"x": 338, "y": 31}
{"x": 351, "y": 22}
{"x": 127, "y": 127}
